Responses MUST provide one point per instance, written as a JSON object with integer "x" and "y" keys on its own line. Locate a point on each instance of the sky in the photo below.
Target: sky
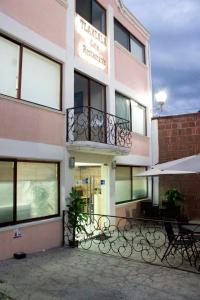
{"x": 174, "y": 26}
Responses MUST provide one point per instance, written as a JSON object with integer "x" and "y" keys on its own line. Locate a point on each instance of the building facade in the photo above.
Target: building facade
{"x": 178, "y": 136}
{"x": 75, "y": 110}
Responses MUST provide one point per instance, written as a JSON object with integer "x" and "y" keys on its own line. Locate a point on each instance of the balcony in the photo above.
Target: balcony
{"x": 90, "y": 129}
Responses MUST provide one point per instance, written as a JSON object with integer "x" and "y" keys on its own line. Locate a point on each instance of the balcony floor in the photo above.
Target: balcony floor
{"x": 95, "y": 147}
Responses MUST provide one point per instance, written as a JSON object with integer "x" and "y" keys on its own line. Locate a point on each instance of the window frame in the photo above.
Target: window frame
{"x": 15, "y": 221}
{"x": 145, "y": 118}
{"x": 89, "y": 79}
{"x": 20, "y": 70}
{"x": 133, "y": 37}
{"x": 131, "y": 184}
{"x": 91, "y": 15}
{"x": 130, "y": 108}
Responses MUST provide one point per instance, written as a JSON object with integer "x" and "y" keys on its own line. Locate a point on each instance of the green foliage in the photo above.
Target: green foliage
{"x": 76, "y": 215}
{"x": 174, "y": 197}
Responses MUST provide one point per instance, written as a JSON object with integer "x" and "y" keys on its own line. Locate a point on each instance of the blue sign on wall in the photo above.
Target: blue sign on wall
{"x": 103, "y": 181}
{"x": 86, "y": 180}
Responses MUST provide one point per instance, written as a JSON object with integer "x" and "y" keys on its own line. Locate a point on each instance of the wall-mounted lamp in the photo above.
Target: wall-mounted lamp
{"x": 72, "y": 162}
{"x": 114, "y": 164}
{"x": 161, "y": 98}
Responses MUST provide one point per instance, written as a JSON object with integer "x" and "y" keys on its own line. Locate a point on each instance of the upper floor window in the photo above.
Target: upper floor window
{"x": 130, "y": 110}
{"x": 29, "y": 75}
{"x": 128, "y": 41}
{"x": 93, "y": 12}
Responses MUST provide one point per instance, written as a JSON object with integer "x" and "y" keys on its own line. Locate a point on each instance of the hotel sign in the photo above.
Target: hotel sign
{"x": 91, "y": 43}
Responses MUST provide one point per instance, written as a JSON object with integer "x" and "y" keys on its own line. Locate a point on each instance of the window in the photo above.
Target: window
{"x": 122, "y": 106}
{"x": 6, "y": 191}
{"x": 40, "y": 79}
{"x": 28, "y": 75}
{"x": 92, "y": 12}
{"x": 128, "y": 41}
{"x": 30, "y": 195}
{"x": 138, "y": 49}
{"x": 88, "y": 92}
{"x": 123, "y": 184}
{"x": 90, "y": 119}
{"x": 130, "y": 110}
{"x": 139, "y": 184}
{"x": 9, "y": 62}
{"x": 138, "y": 114}
{"x": 128, "y": 187}
{"x": 122, "y": 35}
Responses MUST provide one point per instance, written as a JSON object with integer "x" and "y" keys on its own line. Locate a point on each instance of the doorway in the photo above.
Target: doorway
{"x": 88, "y": 180}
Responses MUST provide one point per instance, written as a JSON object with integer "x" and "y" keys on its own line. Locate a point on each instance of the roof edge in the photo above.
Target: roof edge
{"x": 132, "y": 19}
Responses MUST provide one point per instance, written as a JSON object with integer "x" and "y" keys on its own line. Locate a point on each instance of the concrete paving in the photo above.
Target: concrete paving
{"x": 80, "y": 275}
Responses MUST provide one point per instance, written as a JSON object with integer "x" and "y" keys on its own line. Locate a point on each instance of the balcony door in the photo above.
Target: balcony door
{"x": 90, "y": 110}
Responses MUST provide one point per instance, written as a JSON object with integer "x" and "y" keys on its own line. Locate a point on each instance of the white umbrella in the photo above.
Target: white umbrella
{"x": 157, "y": 172}
{"x": 186, "y": 164}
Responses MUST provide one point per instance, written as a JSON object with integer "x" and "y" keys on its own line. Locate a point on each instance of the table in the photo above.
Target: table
{"x": 191, "y": 228}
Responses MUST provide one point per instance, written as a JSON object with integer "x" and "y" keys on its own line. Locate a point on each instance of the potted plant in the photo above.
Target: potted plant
{"x": 173, "y": 203}
{"x": 76, "y": 216}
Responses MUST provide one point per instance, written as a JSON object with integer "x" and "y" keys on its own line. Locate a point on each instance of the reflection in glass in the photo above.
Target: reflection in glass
{"x": 139, "y": 184}
{"x": 6, "y": 191}
{"x": 123, "y": 184}
{"x": 37, "y": 190}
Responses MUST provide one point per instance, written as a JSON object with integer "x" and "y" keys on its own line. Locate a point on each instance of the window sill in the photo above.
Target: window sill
{"x": 29, "y": 224}
{"x": 130, "y": 201}
{"x": 32, "y": 104}
{"x": 118, "y": 45}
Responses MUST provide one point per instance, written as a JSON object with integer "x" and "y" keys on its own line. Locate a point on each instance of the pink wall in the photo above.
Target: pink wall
{"x": 130, "y": 72}
{"x": 46, "y": 17}
{"x": 140, "y": 145}
{"x": 128, "y": 210}
{"x": 20, "y": 121}
{"x": 34, "y": 238}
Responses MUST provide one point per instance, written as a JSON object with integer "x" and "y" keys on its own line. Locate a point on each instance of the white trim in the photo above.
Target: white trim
{"x": 134, "y": 160}
{"x": 130, "y": 93}
{"x": 132, "y": 19}
{"x": 22, "y": 33}
{"x": 32, "y": 104}
{"x": 29, "y": 224}
{"x": 90, "y": 70}
{"x": 29, "y": 150}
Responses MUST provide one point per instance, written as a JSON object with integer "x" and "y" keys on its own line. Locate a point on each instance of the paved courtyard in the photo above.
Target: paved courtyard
{"x": 76, "y": 274}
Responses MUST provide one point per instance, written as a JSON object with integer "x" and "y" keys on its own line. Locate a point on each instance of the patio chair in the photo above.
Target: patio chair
{"x": 178, "y": 241}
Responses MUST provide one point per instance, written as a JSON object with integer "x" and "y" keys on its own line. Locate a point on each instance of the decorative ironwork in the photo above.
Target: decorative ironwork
{"x": 90, "y": 124}
{"x": 141, "y": 239}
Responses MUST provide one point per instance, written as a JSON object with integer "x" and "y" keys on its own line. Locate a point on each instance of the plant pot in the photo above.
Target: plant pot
{"x": 73, "y": 244}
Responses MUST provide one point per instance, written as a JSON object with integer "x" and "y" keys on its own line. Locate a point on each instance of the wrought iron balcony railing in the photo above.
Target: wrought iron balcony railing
{"x": 90, "y": 124}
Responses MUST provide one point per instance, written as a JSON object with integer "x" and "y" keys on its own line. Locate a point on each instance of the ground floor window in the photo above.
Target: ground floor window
{"x": 128, "y": 187}
{"x": 28, "y": 191}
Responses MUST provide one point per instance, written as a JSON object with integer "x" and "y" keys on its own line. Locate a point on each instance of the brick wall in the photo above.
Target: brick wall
{"x": 179, "y": 136}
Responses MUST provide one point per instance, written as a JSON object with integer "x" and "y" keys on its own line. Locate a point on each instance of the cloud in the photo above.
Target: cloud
{"x": 175, "y": 49}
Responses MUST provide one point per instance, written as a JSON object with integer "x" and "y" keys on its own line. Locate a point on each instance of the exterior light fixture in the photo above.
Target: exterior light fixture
{"x": 161, "y": 98}
{"x": 72, "y": 162}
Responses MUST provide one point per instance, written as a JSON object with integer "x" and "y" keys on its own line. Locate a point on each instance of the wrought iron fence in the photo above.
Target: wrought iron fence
{"x": 159, "y": 242}
{"x": 90, "y": 124}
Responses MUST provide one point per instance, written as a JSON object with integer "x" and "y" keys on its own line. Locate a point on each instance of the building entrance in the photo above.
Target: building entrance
{"x": 88, "y": 180}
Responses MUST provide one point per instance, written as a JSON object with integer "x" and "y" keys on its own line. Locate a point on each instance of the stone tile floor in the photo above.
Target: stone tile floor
{"x": 80, "y": 275}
